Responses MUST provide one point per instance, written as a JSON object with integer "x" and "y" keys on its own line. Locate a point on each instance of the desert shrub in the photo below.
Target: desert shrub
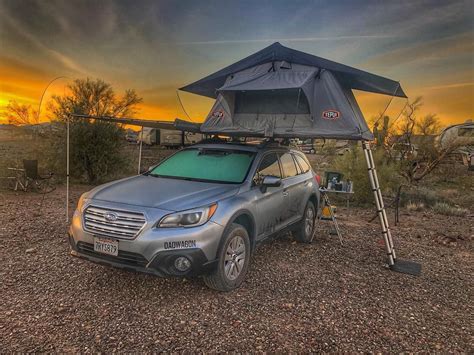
{"x": 95, "y": 151}
{"x": 421, "y": 195}
{"x": 449, "y": 210}
{"x": 354, "y": 167}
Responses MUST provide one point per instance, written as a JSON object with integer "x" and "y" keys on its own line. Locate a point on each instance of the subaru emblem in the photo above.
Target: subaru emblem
{"x": 110, "y": 216}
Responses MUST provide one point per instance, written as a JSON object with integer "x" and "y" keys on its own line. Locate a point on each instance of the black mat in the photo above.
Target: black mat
{"x": 406, "y": 267}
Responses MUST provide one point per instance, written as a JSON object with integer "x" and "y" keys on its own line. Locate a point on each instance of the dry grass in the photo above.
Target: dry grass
{"x": 415, "y": 206}
{"x": 448, "y": 210}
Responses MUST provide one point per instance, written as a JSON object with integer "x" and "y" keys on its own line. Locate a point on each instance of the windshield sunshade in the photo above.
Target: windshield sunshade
{"x": 215, "y": 165}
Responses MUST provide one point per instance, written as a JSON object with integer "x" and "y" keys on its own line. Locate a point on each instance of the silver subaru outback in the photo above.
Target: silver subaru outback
{"x": 202, "y": 211}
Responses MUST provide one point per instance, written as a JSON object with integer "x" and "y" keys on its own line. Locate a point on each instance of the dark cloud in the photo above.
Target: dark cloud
{"x": 157, "y": 46}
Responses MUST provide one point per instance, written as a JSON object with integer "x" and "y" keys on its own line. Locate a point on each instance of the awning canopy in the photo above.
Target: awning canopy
{"x": 347, "y": 76}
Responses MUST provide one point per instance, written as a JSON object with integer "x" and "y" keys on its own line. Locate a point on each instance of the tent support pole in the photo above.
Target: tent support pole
{"x": 374, "y": 183}
{"x": 140, "y": 152}
{"x": 67, "y": 168}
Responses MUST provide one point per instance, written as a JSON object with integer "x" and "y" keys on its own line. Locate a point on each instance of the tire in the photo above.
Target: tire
{"x": 231, "y": 270}
{"x": 305, "y": 229}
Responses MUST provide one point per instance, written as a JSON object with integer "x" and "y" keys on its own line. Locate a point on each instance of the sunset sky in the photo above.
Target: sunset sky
{"x": 156, "y": 47}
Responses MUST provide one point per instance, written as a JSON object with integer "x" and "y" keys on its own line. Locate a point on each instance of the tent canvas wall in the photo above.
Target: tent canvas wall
{"x": 281, "y": 99}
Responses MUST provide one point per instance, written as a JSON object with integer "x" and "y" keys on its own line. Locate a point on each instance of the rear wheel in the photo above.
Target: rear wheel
{"x": 305, "y": 230}
{"x": 233, "y": 260}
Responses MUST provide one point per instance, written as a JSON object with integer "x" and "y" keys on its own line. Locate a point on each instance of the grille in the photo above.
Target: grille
{"x": 127, "y": 224}
{"x": 124, "y": 257}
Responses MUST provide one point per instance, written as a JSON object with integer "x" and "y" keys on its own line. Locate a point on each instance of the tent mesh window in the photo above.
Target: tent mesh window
{"x": 287, "y": 101}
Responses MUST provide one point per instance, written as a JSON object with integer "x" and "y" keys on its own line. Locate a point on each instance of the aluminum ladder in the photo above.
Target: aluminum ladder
{"x": 374, "y": 183}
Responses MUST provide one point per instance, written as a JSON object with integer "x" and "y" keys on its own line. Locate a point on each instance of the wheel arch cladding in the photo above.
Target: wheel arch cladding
{"x": 246, "y": 220}
{"x": 314, "y": 199}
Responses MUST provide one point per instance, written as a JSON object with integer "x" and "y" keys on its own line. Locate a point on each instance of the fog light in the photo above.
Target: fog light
{"x": 182, "y": 263}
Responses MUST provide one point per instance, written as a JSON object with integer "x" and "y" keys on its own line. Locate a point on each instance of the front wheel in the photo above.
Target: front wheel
{"x": 305, "y": 230}
{"x": 233, "y": 260}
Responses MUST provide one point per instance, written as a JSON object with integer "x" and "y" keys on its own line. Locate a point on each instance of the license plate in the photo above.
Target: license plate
{"x": 106, "y": 246}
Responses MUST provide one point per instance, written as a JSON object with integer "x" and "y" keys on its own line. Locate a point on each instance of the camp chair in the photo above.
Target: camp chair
{"x": 29, "y": 177}
{"x": 33, "y": 178}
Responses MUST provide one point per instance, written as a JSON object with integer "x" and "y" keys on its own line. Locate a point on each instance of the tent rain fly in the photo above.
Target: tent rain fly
{"x": 281, "y": 92}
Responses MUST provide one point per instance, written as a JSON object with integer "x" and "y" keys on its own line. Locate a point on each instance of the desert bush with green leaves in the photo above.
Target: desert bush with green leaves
{"x": 96, "y": 153}
{"x": 354, "y": 167}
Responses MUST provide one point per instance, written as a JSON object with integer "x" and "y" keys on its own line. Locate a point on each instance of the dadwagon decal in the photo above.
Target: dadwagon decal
{"x": 331, "y": 115}
{"x": 180, "y": 244}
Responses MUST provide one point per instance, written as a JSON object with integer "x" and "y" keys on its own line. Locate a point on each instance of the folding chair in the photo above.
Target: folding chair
{"x": 33, "y": 178}
{"x": 29, "y": 177}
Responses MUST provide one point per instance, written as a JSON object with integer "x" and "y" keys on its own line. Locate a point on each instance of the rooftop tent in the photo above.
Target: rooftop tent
{"x": 281, "y": 92}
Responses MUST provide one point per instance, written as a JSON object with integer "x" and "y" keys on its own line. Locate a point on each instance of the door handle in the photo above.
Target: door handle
{"x": 285, "y": 193}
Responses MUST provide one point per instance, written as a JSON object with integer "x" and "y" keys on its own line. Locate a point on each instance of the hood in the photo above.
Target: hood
{"x": 166, "y": 194}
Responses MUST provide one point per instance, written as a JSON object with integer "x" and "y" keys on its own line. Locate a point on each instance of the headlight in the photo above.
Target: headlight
{"x": 82, "y": 201}
{"x": 189, "y": 218}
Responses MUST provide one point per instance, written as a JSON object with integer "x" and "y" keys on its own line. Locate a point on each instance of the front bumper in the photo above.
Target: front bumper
{"x": 154, "y": 250}
{"x": 161, "y": 265}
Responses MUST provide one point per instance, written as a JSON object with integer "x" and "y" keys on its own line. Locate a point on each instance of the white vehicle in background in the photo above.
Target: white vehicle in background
{"x": 461, "y": 135}
{"x": 168, "y": 138}
{"x": 307, "y": 146}
{"x": 131, "y": 136}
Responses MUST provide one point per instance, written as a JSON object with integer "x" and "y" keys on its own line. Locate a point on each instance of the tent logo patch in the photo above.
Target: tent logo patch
{"x": 331, "y": 115}
{"x": 218, "y": 114}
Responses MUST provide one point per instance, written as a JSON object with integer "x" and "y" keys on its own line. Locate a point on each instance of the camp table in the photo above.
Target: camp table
{"x": 327, "y": 202}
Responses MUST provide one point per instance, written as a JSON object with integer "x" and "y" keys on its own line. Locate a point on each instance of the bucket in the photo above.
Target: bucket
{"x": 326, "y": 212}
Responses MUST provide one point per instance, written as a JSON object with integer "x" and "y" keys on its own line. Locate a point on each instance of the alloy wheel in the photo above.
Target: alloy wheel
{"x": 234, "y": 258}
{"x": 309, "y": 221}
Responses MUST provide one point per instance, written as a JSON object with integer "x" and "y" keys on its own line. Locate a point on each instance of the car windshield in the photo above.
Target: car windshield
{"x": 208, "y": 165}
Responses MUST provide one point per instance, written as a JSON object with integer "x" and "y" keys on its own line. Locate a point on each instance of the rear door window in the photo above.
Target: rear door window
{"x": 288, "y": 165}
{"x": 269, "y": 166}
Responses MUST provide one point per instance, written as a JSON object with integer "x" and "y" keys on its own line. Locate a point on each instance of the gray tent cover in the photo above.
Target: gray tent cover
{"x": 281, "y": 92}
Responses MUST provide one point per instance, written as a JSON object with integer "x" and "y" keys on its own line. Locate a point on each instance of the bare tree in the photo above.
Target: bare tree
{"x": 416, "y": 161}
{"x": 428, "y": 125}
{"x": 408, "y": 122}
{"x": 20, "y": 114}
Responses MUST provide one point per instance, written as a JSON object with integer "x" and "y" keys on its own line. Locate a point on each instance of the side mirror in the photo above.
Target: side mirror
{"x": 270, "y": 181}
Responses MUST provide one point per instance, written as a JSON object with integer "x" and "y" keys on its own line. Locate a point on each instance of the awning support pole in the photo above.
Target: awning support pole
{"x": 374, "y": 183}
{"x": 140, "y": 152}
{"x": 67, "y": 168}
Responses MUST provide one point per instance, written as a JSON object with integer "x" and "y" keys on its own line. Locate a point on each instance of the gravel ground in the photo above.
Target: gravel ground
{"x": 319, "y": 297}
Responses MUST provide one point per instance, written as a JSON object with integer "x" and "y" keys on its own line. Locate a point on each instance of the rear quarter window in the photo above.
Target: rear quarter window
{"x": 302, "y": 163}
